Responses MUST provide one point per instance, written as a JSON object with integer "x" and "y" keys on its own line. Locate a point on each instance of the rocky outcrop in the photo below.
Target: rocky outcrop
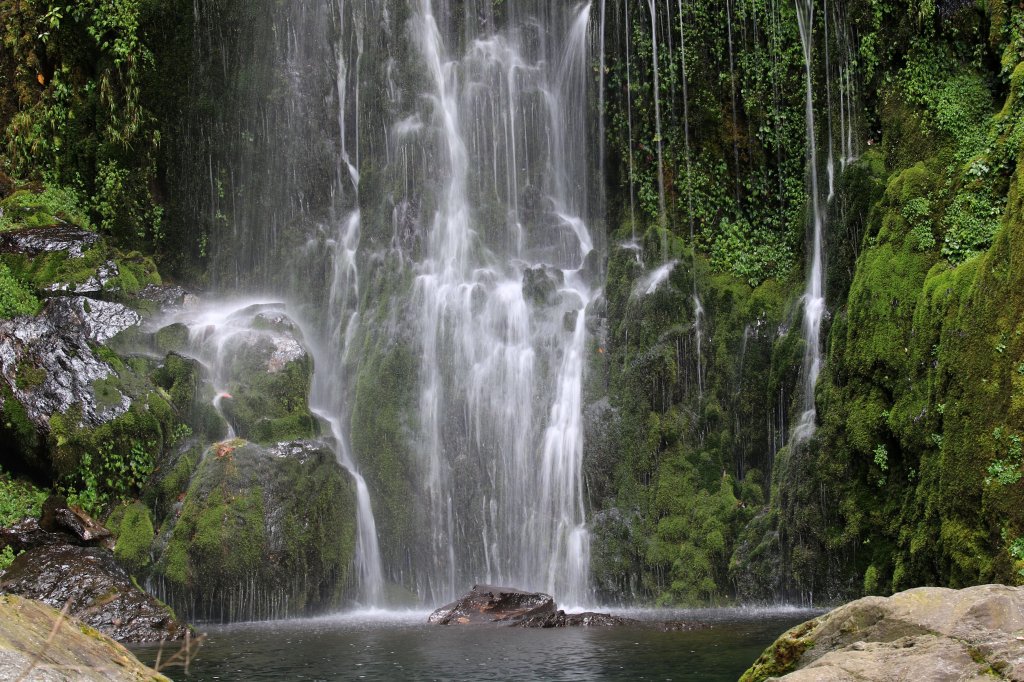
{"x": 66, "y": 558}
{"x": 34, "y": 241}
{"x": 490, "y": 604}
{"x": 38, "y": 643}
{"x": 261, "y": 532}
{"x": 928, "y": 633}
{"x": 49, "y": 364}
{"x": 100, "y": 592}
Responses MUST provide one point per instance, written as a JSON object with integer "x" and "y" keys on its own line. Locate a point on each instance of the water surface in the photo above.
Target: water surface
{"x": 401, "y": 646}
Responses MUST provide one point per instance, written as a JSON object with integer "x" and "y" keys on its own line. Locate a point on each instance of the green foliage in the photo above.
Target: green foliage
{"x": 15, "y": 298}
{"x": 882, "y": 462}
{"x": 53, "y": 205}
{"x": 18, "y": 499}
{"x": 7, "y": 557}
{"x": 133, "y": 526}
{"x": 1006, "y": 470}
{"x": 77, "y": 117}
{"x": 969, "y": 224}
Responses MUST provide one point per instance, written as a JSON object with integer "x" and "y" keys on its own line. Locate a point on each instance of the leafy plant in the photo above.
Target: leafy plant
{"x": 1006, "y": 470}
{"x": 18, "y": 500}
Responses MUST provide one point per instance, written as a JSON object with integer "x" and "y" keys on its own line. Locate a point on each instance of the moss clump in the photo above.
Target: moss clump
{"x": 172, "y": 338}
{"x": 15, "y": 298}
{"x": 133, "y": 526}
{"x": 49, "y": 206}
{"x": 181, "y": 380}
{"x": 783, "y": 656}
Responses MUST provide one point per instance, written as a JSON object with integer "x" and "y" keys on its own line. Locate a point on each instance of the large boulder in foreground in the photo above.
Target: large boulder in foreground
{"x": 100, "y": 592}
{"x": 490, "y": 604}
{"x": 38, "y": 643}
{"x": 928, "y": 633}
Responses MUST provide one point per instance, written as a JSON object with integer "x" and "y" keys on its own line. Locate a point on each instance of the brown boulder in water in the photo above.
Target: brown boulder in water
{"x": 490, "y": 604}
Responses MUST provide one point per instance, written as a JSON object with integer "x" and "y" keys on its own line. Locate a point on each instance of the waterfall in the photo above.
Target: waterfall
{"x": 442, "y": 153}
{"x": 814, "y": 294}
{"x": 662, "y": 215}
{"x": 502, "y": 314}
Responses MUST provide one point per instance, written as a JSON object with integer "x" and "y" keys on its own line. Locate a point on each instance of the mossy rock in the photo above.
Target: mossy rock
{"x": 268, "y": 381}
{"x": 262, "y": 533}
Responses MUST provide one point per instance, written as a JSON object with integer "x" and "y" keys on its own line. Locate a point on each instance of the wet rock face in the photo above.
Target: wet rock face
{"x": 26, "y": 534}
{"x": 168, "y": 297}
{"x": 49, "y": 365}
{"x": 928, "y": 633}
{"x": 540, "y": 284}
{"x": 36, "y": 240}
{"x": 100, "y": 591}
{"x": 490, "y": 604}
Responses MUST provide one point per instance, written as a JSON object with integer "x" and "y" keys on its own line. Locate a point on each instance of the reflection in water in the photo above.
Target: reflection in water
{"x": 379, "y": 645}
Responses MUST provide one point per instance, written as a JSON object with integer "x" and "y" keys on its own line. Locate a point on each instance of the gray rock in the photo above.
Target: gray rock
{"x": 56, "y": 344}
{"x": 928, "y": 633}
{"x": 36, "y": 240}
{"x": 168, "y": 297}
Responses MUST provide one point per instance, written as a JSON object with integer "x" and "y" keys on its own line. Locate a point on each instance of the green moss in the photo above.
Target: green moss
{"x": 268, "y": 404}
{"x": 133, "y": 526}
{"x": 380, "y": 435}
{"x": 15, "y": 298}
{"x": 253, "y": 523}
{"x": 172, "y": 338}
{"x": 783, "y": 656}
{"x": 50, "y": 206}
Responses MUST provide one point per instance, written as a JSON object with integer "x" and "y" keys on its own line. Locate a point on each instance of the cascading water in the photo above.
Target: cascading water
{"x": 299, "y": 91}
{"x": 503, "y": 316}
{"x": 814, "y": 294}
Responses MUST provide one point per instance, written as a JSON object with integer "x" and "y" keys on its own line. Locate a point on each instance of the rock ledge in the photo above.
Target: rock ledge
{"x": 928, "y": 633}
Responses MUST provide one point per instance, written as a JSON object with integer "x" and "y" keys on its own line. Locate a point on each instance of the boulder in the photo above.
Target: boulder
{"x": 100, "y": 592}
{"x": 262, "y": 532}
{"x": 168, "y": 297}
{"x": 928, "y": 633}
{"x": 490, "y": 604}
{"x": 38, "y": 643}
{"x": 541, "y": 284}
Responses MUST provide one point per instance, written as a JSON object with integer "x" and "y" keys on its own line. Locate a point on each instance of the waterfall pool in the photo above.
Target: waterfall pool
{"x": 399, "y": 645}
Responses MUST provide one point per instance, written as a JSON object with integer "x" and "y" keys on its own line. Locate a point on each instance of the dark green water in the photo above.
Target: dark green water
{"x": 400, "y": 646}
